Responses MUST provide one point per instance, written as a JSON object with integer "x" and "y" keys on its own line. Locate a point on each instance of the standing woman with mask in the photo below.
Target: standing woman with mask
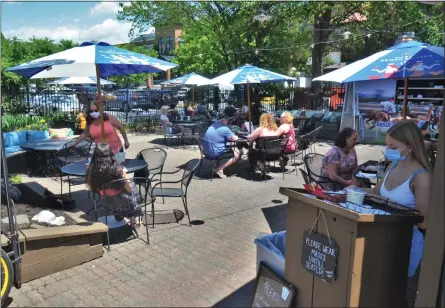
{"x": 94, "y": 129}
{"x": 407, "y": 182}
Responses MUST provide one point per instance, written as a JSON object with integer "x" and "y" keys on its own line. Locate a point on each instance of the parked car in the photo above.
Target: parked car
{"x": 56, "y": 103}
{"x": 132, "y": 99}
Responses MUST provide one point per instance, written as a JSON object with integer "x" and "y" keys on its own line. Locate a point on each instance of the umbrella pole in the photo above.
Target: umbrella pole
{"x": 250, "y": 109}
{"x": 193, "y": 95}
{"x": 100, "y": 104}
{"x": 405, "y": 98}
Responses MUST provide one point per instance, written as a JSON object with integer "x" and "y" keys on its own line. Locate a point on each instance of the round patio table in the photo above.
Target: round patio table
{"x": 44, "y": 151}
{"x": 80, "y": 168}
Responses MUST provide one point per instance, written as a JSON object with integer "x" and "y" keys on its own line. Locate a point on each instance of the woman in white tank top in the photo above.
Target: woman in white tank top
{"x": 407, "y": 180}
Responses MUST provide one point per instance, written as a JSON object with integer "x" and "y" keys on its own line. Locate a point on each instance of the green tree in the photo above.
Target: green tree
{"x": 16, "y": 51}
{"x": 222, "y": 35}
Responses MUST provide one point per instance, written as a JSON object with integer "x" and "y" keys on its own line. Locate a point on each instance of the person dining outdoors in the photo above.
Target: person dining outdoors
{"x": 169, "y": 127}
{"x": 121, "y": 198}
{"x": 218, "y": 134}
{"x": 340, "y": 162}
{"x": 94, "y": 129}
{"x": 407, "y": 182}
{"x": 266, "y": 130}
{"x": 188, "y": 110}
{"x": 287, "y": 131}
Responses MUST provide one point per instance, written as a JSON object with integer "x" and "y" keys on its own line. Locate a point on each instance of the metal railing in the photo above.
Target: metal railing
{"x": 126, "y": 104}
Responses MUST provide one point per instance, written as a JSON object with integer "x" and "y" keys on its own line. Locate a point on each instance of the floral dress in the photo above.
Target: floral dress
{"x": 346, "y": 164}
{"x": 121, "y": 202}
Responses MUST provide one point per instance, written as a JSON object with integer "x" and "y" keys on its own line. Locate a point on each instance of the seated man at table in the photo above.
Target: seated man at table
{"x": 218, "y": 134}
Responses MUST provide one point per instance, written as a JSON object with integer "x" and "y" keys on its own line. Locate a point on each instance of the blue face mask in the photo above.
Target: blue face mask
{"x": 394, "y": 155}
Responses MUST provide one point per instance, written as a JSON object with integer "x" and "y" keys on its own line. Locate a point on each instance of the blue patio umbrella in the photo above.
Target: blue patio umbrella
{"x": 98, "y": 59}
{"x": 408, "y": 59}
{"x": 247, "y": 75}
{"x": 80, "y": 80}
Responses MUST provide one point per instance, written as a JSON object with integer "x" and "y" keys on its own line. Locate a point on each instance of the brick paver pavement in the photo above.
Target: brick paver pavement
{"x": 203, "y": 265}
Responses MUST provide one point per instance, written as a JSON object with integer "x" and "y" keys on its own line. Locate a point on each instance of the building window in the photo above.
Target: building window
{"x": 161, "y": 46}
{"x": 169, "y": 45}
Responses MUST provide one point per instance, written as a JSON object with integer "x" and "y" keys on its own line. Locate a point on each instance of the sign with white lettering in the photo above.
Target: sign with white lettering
{"x": 272, "y": 290}
{"x": 319, "y": 255}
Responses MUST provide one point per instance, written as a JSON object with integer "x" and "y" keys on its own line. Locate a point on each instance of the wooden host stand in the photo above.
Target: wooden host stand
{"x": 373, "y": 255}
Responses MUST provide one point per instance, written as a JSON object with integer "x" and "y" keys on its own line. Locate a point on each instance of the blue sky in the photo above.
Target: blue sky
{"x": 78, "y": 21}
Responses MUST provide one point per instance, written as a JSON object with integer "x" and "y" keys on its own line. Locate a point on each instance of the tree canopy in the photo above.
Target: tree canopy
{"x": 16, "y": 51}
{"x": 218, "y": 36}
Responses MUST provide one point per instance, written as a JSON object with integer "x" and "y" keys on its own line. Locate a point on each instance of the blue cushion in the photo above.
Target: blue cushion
{"x": 296, "y": 113}
{"x": 12, "y": 149}
{"x": 327, "y": 117}
{"x": 336, "y": 117}
{"x": 35, "y": 135}
{"x": 14, "y": 138}
{"x": 309, "y": 113}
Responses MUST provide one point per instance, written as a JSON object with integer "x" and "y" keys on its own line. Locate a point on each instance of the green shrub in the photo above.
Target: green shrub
{"x": 13, "y": 105}
{"x": 15, "y": 179}
{"x": 16, "y": 122}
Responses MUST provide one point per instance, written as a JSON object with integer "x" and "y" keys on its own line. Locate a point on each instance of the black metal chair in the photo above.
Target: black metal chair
{"x": 110, "y": 203}
{"x": 168, "y": 136}
{"x": 271, "y": 150}
{"x": 313, "y": 136}
{"x": 155, "y": 159}
{"x": 313, "y": 162}
{"x": 306, "y": 177}
{"x": 68, "y": 155}
{"x": 204, "y": 143}
{"x": 175, "y": 192}
{"x": 303, "y": 144}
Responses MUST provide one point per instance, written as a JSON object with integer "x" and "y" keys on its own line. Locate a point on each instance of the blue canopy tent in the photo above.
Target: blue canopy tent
{"x": 408, "y": 59}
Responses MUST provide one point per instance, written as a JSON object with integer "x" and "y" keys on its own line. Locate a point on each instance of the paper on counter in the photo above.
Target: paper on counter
{"x": 366, "y": 175}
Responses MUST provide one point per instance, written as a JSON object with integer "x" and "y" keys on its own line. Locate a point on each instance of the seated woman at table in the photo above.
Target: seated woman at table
{"x": 407, "y": 181}
{"x": 340, "y": 162}
{"x": 169, "y": 127}
{"x": 287, "y": 131}
{"x": 94, "y": 129}
{"x": 188, "y": 110}
{"x": 267, "y": 129}
{"x": 122, "y": 198}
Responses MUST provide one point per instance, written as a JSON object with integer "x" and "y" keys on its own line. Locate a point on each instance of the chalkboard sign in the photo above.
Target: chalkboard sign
{"x": 272, "y": 290}
{"x": 319, "y": 255}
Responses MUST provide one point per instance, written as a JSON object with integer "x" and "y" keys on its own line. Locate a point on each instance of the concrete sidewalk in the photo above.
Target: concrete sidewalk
{"x": 204, "y": 265}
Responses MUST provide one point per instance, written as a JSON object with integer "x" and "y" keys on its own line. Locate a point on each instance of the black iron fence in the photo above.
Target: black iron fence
{"x": 126, "y": 104}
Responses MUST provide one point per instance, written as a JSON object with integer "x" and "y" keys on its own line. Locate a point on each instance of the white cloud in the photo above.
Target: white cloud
{"x": 105, "y": 7}
{"x": 110, "y": 31}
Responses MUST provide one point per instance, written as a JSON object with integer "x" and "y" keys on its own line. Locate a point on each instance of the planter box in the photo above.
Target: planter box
{"x": 49, "y": 250}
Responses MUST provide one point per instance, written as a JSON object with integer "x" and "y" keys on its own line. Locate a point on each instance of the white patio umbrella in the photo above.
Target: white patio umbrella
{"x": 191, "y": 79}
{"x": 247, "y": 75}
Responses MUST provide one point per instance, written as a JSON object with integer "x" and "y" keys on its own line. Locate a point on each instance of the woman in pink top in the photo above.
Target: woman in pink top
{"x": 94, "y": 130}
{"x": 287, "y": 131}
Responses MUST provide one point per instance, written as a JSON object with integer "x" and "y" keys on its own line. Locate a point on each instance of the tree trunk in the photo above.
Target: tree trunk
{"x": 322, "y": 24}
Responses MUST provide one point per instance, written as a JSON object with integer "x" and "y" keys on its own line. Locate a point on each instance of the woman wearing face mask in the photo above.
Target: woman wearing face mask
{"x": 94, "y": 130}
{"x": 407, "y": 182}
